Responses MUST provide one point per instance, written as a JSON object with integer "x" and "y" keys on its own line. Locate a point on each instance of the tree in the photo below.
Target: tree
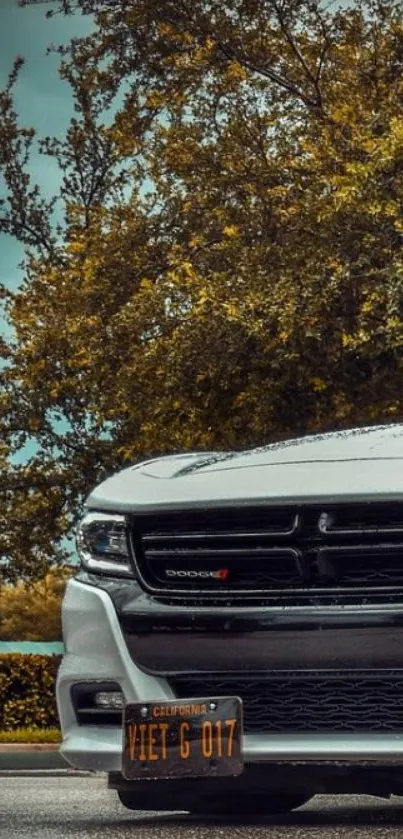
{"x": 229, "y": 268}
{"x": 31, "y": 611}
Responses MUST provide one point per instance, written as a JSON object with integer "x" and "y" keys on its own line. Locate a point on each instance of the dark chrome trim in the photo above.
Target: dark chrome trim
{"x": 380, "y": 547}
{"x": 326, "y": 528}
{"x": 211, "y": 552}
{"x": 224, "y": 534}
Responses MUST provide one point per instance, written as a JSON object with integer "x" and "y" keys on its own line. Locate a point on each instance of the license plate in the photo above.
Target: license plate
{"x": 183, "y": 738}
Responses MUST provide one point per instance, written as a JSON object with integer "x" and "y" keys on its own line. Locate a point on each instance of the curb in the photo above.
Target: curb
{"x": 14, "y": 748}
{"x": 45, "y": 773}
{"x": 22, "y": 757}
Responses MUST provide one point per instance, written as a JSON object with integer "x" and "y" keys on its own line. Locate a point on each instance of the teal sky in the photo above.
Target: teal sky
{"x": 42, "y": 99}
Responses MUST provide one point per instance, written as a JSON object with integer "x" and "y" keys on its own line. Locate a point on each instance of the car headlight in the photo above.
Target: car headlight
{"x": 102, "y": 544}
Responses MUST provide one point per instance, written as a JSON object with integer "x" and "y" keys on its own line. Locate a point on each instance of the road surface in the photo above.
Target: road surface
{"x": 82, "y": 807}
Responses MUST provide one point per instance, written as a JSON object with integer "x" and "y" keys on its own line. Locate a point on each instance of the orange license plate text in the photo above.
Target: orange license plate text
{"x": 150, "y": 741}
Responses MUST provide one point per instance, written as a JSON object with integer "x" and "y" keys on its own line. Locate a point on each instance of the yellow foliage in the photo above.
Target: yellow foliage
{"x": 235, "y": 72}
{"x": 231, "y": 230}
{"x": 76, "y": 247}
{"x": 27, "y": 694}
{"x": 319, "y": 385}
{"x": 155, "y": 99}
{"x": 32, "y": 611}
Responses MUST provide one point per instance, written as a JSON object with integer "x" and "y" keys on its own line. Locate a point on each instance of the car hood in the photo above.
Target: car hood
{"x": 359, "y": 464}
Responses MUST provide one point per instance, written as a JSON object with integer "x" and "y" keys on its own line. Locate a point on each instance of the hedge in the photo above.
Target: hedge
{"x": 31, "y": 735}
{"x": 27, "y": 691}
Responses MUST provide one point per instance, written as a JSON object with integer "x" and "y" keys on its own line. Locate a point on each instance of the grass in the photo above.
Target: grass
{"x": 31, "y": 735}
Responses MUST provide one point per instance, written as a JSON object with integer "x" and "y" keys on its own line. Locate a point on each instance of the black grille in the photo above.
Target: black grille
{"x": 299, "y": 702}
{"x": 272, "y": 550}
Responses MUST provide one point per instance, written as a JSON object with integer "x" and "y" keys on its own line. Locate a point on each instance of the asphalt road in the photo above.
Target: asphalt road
{"x": 55, "y": 808}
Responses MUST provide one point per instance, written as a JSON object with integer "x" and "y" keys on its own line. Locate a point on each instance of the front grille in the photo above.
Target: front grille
{"x": 271, "y": 550}
{"x": 298, "y": 702}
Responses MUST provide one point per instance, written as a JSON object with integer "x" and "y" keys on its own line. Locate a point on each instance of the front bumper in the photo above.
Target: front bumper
{"x": 96, "y": 650}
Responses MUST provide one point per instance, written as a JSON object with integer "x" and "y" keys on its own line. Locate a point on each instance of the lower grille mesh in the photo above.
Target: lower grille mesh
{"x": 315, "y": 702}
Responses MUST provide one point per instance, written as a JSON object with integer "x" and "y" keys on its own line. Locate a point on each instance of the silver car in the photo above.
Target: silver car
{"x": 234, "y": 634}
